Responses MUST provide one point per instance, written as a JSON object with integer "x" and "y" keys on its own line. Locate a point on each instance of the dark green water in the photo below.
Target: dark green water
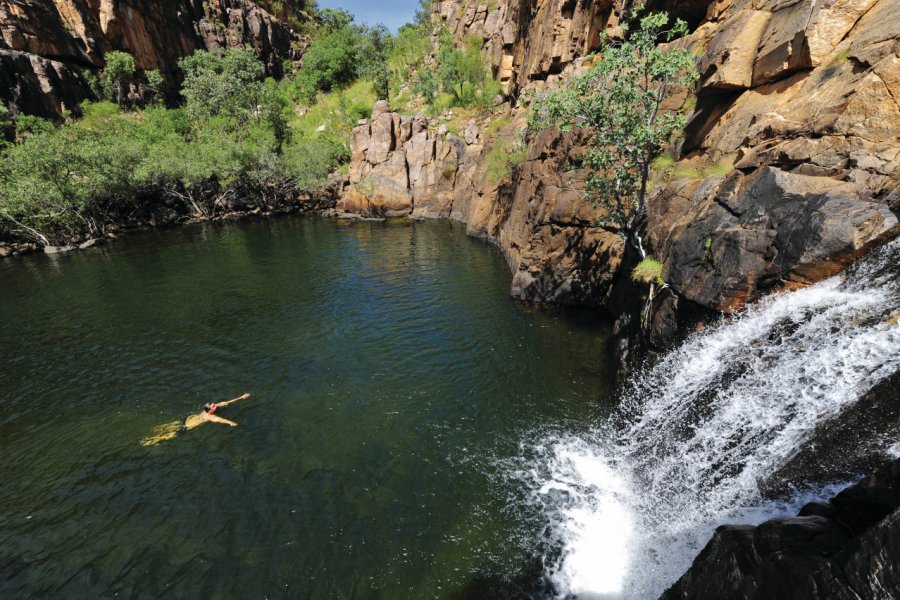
{"x": 390, "y": 373}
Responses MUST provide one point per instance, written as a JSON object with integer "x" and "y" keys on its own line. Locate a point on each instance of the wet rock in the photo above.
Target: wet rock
{"x": 847, "y": 548}
{"x": 59, "y": 249}
{"x": 90, "y": 243}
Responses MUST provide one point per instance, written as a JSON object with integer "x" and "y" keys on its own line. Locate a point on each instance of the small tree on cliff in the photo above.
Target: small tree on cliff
{"x": 619, "y": 101}
{"x": 116, "y": 75}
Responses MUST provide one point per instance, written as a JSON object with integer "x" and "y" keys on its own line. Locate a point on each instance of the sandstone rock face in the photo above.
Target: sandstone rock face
{"x": 536, "y": 214}
{"x": 46, "y": 47}
{"x": 795, "y": 142}
{"x": 813, "y": 136}
{"x": 847, "y": 548}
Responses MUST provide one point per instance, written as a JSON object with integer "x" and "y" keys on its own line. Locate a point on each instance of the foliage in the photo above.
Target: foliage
{"x": 64, "y": 183}
{"x": 116, "y": 75}
{"x": 341, "y": 53}
{"x": 506, "y": 155}
{"x": 406, "y": 60}
{"x": 463, "y": 71}
{"x": 373, "y": 46}
{"x": 155, "y": 83}
{"x": 7, "y": 126}
{"x": 227, "y": 84}
{"x": 334, "y": 19}
{"x": 423, "y": 15}
{"x": 649, "y": 270}
{"x": 619, "y": 101}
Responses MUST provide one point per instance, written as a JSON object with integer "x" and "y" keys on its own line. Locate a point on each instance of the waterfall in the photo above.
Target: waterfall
{"x": 630, "y": 504}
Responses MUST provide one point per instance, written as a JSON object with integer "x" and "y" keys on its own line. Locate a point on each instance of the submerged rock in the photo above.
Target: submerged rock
{"x": 847, "y": 548}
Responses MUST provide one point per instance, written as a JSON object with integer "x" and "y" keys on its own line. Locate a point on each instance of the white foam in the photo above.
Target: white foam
{"x": 698, "y": 432}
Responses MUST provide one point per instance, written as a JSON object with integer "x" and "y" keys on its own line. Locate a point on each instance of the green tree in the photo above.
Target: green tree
{"x": 329, "y": 63}
{"x": 620, "y": 102}
{"x": 335, "y": 19}
{"x": 155, "y": 83}
{"x": 463, "y": 71}
{"x": 374, "y": 44}
{"x": 7, "y": 126}
{"x": 228, "y": 85}
{"x": 423, "y": 15}
{"x": 116, "y": 75}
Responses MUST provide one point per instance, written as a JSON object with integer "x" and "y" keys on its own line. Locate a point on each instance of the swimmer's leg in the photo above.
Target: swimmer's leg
{"x": 162, "y": 433}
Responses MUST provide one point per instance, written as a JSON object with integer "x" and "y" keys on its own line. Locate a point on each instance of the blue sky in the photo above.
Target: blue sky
{"x": 392, "y": 13}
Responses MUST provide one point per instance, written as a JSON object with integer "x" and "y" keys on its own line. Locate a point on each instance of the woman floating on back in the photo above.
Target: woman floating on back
{"x": 206, "y": 415}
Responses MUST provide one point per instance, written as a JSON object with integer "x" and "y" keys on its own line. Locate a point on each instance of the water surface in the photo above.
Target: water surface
{"x": 390, "y": 371}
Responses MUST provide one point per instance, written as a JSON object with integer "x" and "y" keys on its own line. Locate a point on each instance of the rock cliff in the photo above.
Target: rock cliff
{"x": 47, "y": 47}
{"x": 788, "y": 169}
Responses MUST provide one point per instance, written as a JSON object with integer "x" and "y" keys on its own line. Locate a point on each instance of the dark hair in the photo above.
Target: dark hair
{"x": 208, "y": 406}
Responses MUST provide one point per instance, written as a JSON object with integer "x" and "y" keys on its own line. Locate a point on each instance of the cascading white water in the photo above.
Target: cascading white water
{"x": 632, "y": 502}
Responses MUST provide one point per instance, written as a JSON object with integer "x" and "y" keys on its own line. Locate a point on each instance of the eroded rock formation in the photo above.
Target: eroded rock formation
{"x": 548, "y": 234}
{"x": 47, "y": 47}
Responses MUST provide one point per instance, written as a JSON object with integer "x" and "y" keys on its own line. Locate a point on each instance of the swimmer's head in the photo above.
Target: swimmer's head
{"x": 210, "y": 407}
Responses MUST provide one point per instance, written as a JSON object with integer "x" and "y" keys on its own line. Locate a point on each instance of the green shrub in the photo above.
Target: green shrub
{"x": 506, "y": 155}
{"x": 155, "y": 83}
{"x": 58, "y": 183}
{"x": 228, "y": 84}
{"x": 342, "y": 54}
{"x": 116, "y": 75}
{"x": 647, "y": 271}
{"x": 464, "y": 73}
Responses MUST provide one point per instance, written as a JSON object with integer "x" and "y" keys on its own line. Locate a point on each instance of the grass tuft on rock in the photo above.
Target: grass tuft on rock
{"x": 647, "y": 271}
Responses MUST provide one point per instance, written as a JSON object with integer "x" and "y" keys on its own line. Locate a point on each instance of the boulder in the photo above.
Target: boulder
{"x": 739, "y": 236}
{"x": 383, "y": 138}
{"x": 846, "y": 549}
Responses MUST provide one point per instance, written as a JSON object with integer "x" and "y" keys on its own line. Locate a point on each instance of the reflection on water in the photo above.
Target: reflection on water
{"x": 390, "y": 372}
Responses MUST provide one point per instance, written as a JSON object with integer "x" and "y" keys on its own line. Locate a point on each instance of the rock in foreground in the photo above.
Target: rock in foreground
{"x": 847, "y": 548}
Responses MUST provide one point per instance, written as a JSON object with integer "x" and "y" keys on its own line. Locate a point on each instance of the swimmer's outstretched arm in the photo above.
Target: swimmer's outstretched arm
{"x": 216, "y": 419}
{"x": 221, "y": 404}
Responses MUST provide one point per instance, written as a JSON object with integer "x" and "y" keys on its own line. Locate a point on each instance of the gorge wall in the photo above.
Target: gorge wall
{"x": 48, "y": 46}
{"x": 787, "y": 171}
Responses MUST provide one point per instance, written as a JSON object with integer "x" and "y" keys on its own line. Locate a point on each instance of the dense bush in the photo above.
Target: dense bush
{"x": 463, "y": 72}
{"x": 116, "y": 76}
{"x": 70, "y": 182}
{"x": 341, "y": 53}
{"x": 226, "y": 84}
{"x": 237, "y": 138}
